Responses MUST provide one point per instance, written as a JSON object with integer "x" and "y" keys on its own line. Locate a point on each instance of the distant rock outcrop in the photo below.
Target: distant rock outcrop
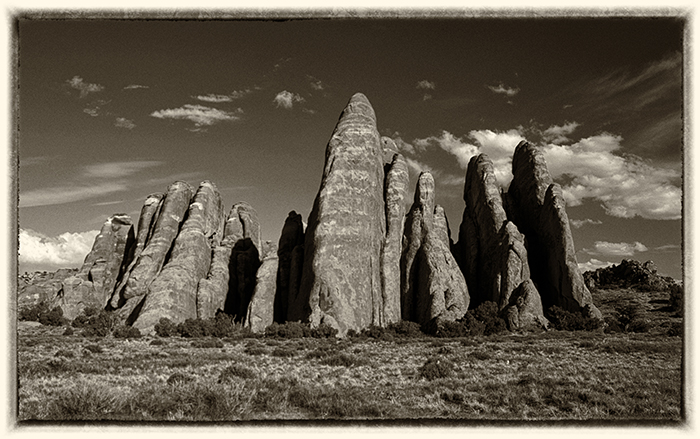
{"x": 538, "y": 209}
{"x": 261, "y": 307}
{"x": 628, "y": 274}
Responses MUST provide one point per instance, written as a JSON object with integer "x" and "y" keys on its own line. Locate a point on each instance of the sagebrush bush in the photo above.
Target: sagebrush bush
{"x": 165, "y": 328}
{"x": 288, "y": 330}
{"x": 68, "y": 331}
{"x": 179, "y": 378}
{"x": 94, "y": 348}
{"x": 43, "y": 314}
{"x": 124, "y": 331}
{"x": 282, "y": 351}
{"x": 436, "y": 368}
{"x": 236, "y": 370}
{"x": 675, "y": 297}
{"x": 95, "y": 325}
{"x": 208, "y": 343}
{"x": 64, "y": 353}
{"x": 564, "y": 320}
{"x": 324, "y": 331}
{"x": 487, "y": 313}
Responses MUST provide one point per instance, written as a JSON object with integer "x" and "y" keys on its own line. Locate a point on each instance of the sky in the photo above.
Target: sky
{"x": 112, "y": 111}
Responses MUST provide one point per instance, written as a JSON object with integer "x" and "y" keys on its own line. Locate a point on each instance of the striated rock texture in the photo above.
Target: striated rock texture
{"x": 103, "y": 266}
{"x": 243, "y": 229}
{"x": 341, "y": 283}
{"x": 165, "y": 229}
{"x": 148, "y": 217}
{"x": 261, "y": 307}
{"x": 395, "y": 188}
{"x": 537, "y": 207}
{"x": 432, "y": 286}
{"x": 291, "y": 238}
{"x": 491, "y": 249}
{"x": 173, "y": 293}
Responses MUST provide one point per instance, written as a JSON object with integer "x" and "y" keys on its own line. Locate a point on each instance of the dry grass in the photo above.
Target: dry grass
{"x": 546, "y": 376}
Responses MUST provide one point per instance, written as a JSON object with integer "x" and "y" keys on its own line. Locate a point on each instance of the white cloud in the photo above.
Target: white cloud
{"x": 214, "y": 98}
{"x": 502, "y": 89}
{"x": 67, "y": 250}
{"x": 626, "y": 185}
{"x": 68, "y": 194}
{"x": 316, "y": 83}
{"x": 577, "y": 224}
{"x": 425, "y": 85}
{"x": 134, "y": 87}
{"x": 199, "y": 114}
{"x": 558, "y": 134}
{"x": 593, "y": 265}
{"x": 117, "y": 169}
{"x": 83, "y": 87}
{"x": 618, "y": 249}
{"x": 287, "y": 99}
{"x": 122, "y": 122}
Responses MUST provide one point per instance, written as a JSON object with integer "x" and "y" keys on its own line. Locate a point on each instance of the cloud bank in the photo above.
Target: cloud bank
{"x": 67, "y": 250}
{"x": 617, "y": 249}
{"x": 83, "y": 87}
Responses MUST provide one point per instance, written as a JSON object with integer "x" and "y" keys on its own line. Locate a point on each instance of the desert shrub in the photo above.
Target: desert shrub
{"x": 281, "y": 351}
{"x": 288, "y": 330}
{"x": 94, "y": 348}
{"x": 451, "y": 329}
{"x": 564, "y": 320}
{"x": 324, "y": 331}
{"x": 157, "y": 342}
{"x": 452, "y": 397}
{"x": 481, "y": 355}
{"x": 124, "y": 331}
{"x": 487, "y": 313}
{"x": 675, "y": 297}
{"x": 629, "y": 318}
{"x": 236, "y": 370}
{"x": 675, "y": 330}
{"x": 68, "y": 331}
{"x": 406, "y": 329}
{"x": 255, "y": 350}
{"x": 208, "y": 343}
{"x": 344, "y": 360}
{"x": 195, "y": 328}
{"x": 223, "y": 326}
{"x": 165, "y": 328}
{"x": 179, "y": 378}
{"x": 64, "y": 353}
{"x": 436, "y": 368}
{"x": 612, "y": 325}
{"x": 43, "y": 314}
{"x": 96, "y": 325}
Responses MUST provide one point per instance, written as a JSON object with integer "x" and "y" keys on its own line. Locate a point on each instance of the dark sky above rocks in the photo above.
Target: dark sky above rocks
{"x": 111, "y": 111}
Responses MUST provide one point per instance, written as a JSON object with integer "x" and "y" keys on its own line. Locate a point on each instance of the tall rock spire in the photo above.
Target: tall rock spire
{"x": 341, "y": 283}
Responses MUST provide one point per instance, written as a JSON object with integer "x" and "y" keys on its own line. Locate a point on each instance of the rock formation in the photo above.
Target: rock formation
{"x": 433, "y": 287}
{"x": 291, "y": 240}
{"x": 395, "y": 188}
{"x": 491, "y": 249}
{"x": 261, "y": 308}
{"x": 362, "y": 260}
{"x": 342, "y": 265}
{"x": 244, "y": 230}
{"x": 172, "y": 294}
{"x": 538, "y": 209}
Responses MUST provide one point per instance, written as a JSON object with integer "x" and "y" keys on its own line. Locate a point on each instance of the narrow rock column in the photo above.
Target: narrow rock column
{"x": 291, "y": 237}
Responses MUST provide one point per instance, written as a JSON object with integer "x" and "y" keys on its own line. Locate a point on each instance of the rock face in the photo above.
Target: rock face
{"x": 628, "y": 273}
{"x": 341, "y": 278}
{"x": 261, "y": 307}
{"x": 433, "y": 288}
{"x": 395, "y": 188}
{"x": 491, "y": 248}
{"x": 538, "y": 209}
{"x": 173, "y": 293}
{"x": 165, "y": 229}
{"x": 291, "y": 239}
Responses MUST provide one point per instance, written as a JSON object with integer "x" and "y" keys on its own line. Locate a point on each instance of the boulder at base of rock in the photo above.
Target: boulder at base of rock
{"x": 524, "y": 310}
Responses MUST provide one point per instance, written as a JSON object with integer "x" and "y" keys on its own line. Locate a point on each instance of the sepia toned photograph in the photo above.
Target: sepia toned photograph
{"x": 349, "y": 217}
